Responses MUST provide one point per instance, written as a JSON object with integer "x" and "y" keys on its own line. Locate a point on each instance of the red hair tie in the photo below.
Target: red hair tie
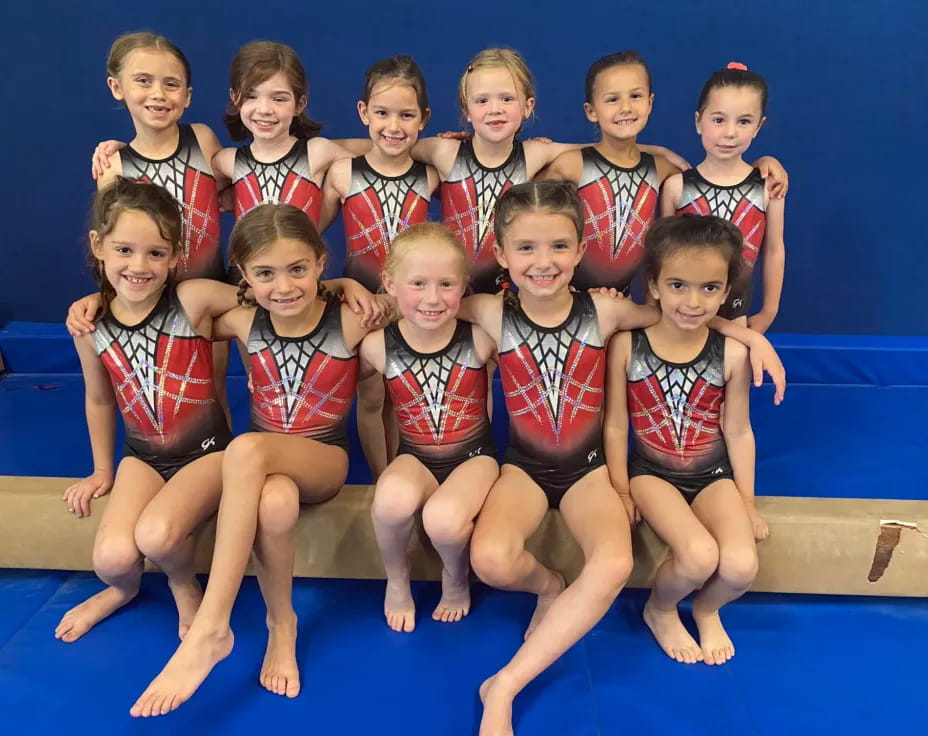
{"x": 736, "y": 65}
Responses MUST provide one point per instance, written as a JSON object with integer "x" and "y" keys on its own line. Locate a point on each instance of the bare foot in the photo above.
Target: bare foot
{"x": 497, "y": 709}
{"x": 398, "y": 605}
{"x": 545, "y": 599}
{"x": 672, "y": 636}
{"x": 455, "y": 599}
{"x": 82, "y": 618}
{"x": 184, "y": 673}
{"x": 716, "y": 646}
{"x": 187, "y": 597}
{"x": 280, "y": 673}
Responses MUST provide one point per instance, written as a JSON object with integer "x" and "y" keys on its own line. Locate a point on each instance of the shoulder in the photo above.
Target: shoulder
{"x": 372, "y": 349}
{"x": 568, "y": 166}
{"x": 620, "y": 346}
{"x": 736, "y": 353}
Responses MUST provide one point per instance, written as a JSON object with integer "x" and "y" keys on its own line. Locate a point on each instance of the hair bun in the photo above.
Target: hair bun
{"x": 736, "y": 65}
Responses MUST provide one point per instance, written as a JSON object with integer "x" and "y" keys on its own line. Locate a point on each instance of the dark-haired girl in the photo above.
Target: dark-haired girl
{"x": 681, "y": 382}
{"x": 729, "y": 114}
{"x": 149, "y": 357}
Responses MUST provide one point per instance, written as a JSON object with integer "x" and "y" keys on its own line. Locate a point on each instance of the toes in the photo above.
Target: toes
{"x": 293, "y": 687}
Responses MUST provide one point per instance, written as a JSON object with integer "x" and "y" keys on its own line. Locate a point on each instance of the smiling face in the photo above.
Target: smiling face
{"x": 691, "y": 286}
{"x": 136, "y": 258}
{"x": 428, "y": 284}
{"x": 730, "y": 120}
{"x": 153, "y": 85}
{"x": 495, "y": 104}
{"x": 541, "y": 251}
{"x": 621, "y": 101}
{"x": 394, "y": 117}
{"x": 268, "y": 110}
{"x": 284, "y": 277}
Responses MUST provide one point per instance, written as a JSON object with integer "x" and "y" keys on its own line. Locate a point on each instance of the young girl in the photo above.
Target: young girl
{"x": 617, "y": 181}
{"x": 434, "y": 367}
{"x": 303, "y": 368}
{"x": 551, "y": 345}
{"x": 286, "y": 160}
{"x": 381, "y": 193}
{"x": 692, "y": 482}
{"x": 729, "y": 114}
{"x": 150, "y": 356}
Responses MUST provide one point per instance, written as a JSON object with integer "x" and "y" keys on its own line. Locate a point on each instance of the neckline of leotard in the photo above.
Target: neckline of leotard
{"x": 516, "y": 147}
{"x": 574, "y": 308}
{"x": 279, "y": 161}
{"x": 387, "y": 177}
{"x": 397, "y": 333}
{"x": 181, "y": 136}
{"x": 331, "y": 304}
{"x": 688, "y": 364}
{"x": 745, "y": 180}
{"x": 642, "y": 160}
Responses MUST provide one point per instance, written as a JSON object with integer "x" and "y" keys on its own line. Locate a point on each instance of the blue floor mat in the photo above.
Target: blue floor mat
{"x": 804, "y": 665}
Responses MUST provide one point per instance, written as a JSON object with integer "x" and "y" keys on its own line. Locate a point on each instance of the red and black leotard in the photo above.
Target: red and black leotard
{"x": 440, "y": 400}
{"x": 468, "y": 203}
{"x": 186, "y": 174}
{"x": 162, "y": 375}
{"x": 553, "y": 380}
{"x": 302, "y": 385}
{"x": 674, "y": 410}
{"x": 376, "y": 209}
{"x": 743, "y": 205}
{"x": 619, "y": 205}
{"x": 285, "y": 181}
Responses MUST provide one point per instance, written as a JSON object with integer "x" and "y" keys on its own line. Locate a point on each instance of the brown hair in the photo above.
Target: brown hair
{"x": 669, "y": 235}
{"x": 507, "y": 59}
{"x": 623, "y": 58}
{"x": 734, "y": 75}
{"x": 265, "y": 224}
{"x": 124, "y": 195}
{"x": 553, "y": 197}
{"x": 402, "y": 69}
{"x": 129, "y": 42}
{"x": 425, "y": 234}
{"x": 256, "y": 62}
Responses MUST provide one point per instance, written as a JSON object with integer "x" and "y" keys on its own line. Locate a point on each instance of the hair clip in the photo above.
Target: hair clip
{"x": 470, "y": 68}
{"x": 736, "y": 65}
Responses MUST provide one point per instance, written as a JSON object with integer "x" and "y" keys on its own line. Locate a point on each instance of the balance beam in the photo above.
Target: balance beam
{"x": 816, "y": 545}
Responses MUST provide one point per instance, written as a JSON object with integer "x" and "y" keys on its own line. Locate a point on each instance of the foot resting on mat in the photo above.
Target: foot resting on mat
{"x": 672, "y": 635}
{"x": 717, "y": 648}
{"x": 398, "y": 605}
{"x": 279, "y": 672}
{"x": 184, "y": 672}
{"x": 82, "y": 618}
{"x": 455, "y": 599}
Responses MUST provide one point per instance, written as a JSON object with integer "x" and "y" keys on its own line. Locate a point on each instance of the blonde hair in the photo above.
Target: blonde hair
{"x": 507, "y": 59}
{"x": 425, "y": 234}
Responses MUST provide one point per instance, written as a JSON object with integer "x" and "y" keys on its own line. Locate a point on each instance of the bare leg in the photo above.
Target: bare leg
{"x": 720, "y": 508}
{"x": 597, "y": 519}
{"x": 371, "y": 430}
{"x": 278, "y": 511}
{"x": 401, "y": 490}
{"x": 513, "y": 510}
{"x": 693, "y": 558}
{"x": 448, "y": 517}
{"x": 319, "y": 470}
{"x": 116, "y": 559}
{"x": 164, "y": 533}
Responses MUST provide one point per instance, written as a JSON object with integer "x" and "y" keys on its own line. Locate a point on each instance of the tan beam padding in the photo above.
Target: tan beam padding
{"x": 816, "y": 545}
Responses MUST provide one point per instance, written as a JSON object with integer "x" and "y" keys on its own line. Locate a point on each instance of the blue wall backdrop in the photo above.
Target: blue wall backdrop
{"x": 847, "y": 116}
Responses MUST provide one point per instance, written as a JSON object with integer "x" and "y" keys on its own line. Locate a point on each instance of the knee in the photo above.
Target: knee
{"x": 157, "y": 537}
{"x": 445, "y": 524}
{"x": 698, "y": 560}
{"x": 738, "y": 567}
{"x": 278, "y": 507}
{"x": 606, "y": 572}
{"x": 493, "y": 559}
{"x": 115, "y": 557}
{"x": 246, "y": 449}
{"x": 395, "y": 501}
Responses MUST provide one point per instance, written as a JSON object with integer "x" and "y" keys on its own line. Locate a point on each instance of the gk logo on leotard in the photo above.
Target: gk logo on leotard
{"x": 207, "y": 443}
{"x": 475, "y": 452}
{"x": 589, "y": 458}
{"x": 736, "y": 304}
{"x": 718, "y": 471}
